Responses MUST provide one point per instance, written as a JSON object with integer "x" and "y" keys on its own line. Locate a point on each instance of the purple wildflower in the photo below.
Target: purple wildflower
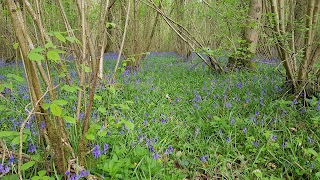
{"x": 169, "y": 150}
{"x": 255, "y": 144}
{"x": 311, "y": 141}
{"x": 245, "y": 130}
{"x": 156, "y": 156}
{"x": 4, "y": 169}
{"x": 228, "y": 139}
{"x": 273, "y": 137}
{"x": 32, "y": 148}
{"x": 105, "y": 148}
{"x": 96, "y": 151}
{"x": 203, "y": 158}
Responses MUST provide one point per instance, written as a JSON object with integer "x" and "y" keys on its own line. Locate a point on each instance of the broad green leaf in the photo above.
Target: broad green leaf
{"x": 73, "y": 39}
{"x": 318, "y": 174}
{"x": 70, "y": 119}
{"x": 36, "y": 178}
{"x": 45, "y": 106}
{"x": 36, "y": 157}
{"x": 112, "y": 90}
{"x": 124, "y": 107}
{"x": 8, "y": 133}
{"x": 53, "y": 55}
{"x": 16, "y": 77}
{"x": 97, "y": 97}
{"x": 258, "y": 173}
{"x": 87, "y": 69}
{"x": 129, "y": 124}
{"x": 33, "y": 56}
{"x": 42, "y": 173}
{"x": 70, "y": 88}
{"x": 102, "y": 110}
{"x": 55, "y": 110}
{"x": 90, "y": 136}
{"x": 27, "y": 165}
{"x": 49, "y": 45}
{"x": 37, "y": 50}
{"x": 16, "y": 140}
{"x": 7, "y": 85}
{"x": 15, "y": 46}
{"x": 59, "y": 36}
{"x": 59, "y": 51}
{"x": 60, "y": 102}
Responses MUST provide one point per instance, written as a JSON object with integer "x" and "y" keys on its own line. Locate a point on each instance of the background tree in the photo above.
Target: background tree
{"x": 299, "y": 57}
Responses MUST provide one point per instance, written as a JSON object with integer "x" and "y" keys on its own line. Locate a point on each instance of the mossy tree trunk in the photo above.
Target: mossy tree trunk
{"x": 243, "y": 56}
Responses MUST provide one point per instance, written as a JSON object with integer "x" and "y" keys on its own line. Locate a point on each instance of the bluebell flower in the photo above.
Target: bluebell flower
{"x": 255, "y": 143}
{"x": 4, "y": 168}
{"x": 42, "y": 125}
{"x": 204, "y": 158}
{"x": 310, "y": 140}
{"x": 156, "y": 156}
{"x": 74, "y": 177}
{"x": 273, "y": 137}
{"x": 11, "y": 160}
{"x": 84, "y": 173}
{"x": 169, "y": 150}
{"x": 96, "y": 151}
{"x": 245, "y": 130}
{"x": 105, "y": 148}
{"x": 32, "y": 148}
{"x": 228, "y": 139}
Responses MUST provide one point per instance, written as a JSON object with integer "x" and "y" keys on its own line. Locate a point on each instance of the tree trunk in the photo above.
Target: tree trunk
{"x": 251, "y": 38}
{"x": 56, "y": 143}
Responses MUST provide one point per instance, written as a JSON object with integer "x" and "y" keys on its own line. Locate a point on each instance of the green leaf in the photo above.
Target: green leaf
{"x": 56, "y": 110}
{"x": 87, "y": 69}
{"x": 36, "y": 178}
{"x": 90, "y": 136}
{"x": 49, "y": 45}
{"x": 102, "y": 110}
{"x": 7, "y": 85}
{"x": 16, "y": 140}
{"x": 70, "y": 88}
{"x": 73, "y": 39}
{"x": 70, "y": 119}
{"x": 318, "y": 174}
{"x": 45, "y": 106}
{"x": 59, "y": 36}
{"x": 60, "y": 102}
{"x": 110, "y": 25}
{"x": 15, "y": 46}
{"x": 112, "y": 89}
{"x": 129, "y": 124}
{"x": 8, "y": 133}
{"x": 258, "y": 173}
{"x": 36, "y": 157}
{"x": 16, "y": 77}
{"x": 53, "y": 55}
{"x": 42, "y": 173}
{"x": 2, "y": 107}
{"x": 33, "y": 56}
{"x": 97, "y": 97}
{"x": 27, "y": 165}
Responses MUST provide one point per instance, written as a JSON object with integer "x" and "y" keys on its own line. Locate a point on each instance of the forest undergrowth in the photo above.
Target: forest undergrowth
{"x": 172, "y": 120}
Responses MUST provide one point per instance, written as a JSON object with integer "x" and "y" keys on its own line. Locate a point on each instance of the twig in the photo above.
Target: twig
{"x": 122, "y": 43}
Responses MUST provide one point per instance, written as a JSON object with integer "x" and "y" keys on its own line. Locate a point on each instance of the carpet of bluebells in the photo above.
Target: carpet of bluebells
{"x": 173, "y": 119}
